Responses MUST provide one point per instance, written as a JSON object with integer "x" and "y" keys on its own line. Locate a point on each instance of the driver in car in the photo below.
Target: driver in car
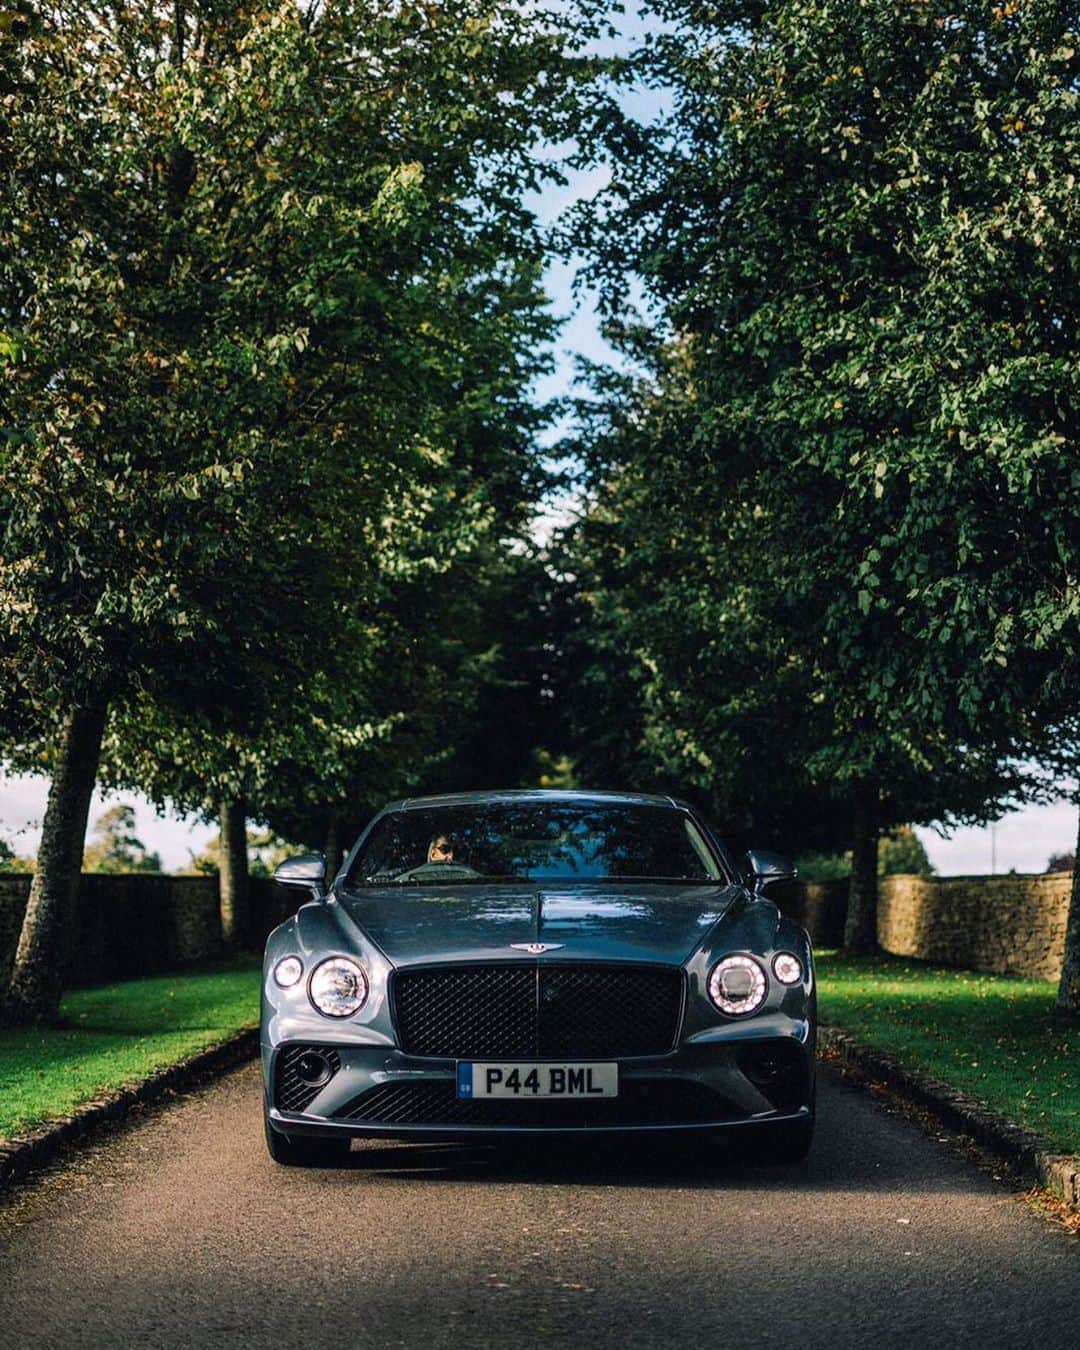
{"x": 440, "y": 850}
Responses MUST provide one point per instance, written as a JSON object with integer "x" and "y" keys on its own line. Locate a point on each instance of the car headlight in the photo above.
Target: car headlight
{"x": 338, "y": 987}
{"x": 738, "y": 985}
{"x": 287, "y": 971}
{"x": 787, "y": 968}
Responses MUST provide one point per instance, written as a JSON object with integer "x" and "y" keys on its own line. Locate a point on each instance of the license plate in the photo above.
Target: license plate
{"x": 528, "y": 1081}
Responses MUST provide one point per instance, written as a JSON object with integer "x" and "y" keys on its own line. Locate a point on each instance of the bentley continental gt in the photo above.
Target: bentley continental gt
{"x": 537, "y": 963}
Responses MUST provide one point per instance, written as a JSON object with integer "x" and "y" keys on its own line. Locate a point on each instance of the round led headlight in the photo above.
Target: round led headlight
{"x": 287, "y": 971}
{"x": 787, "y": 968}
{"x": 338, "y": 987}
{"x": 737, "y": 985}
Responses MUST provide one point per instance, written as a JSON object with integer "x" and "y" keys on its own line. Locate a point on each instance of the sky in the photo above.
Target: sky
{"x": 1022, "y": 840}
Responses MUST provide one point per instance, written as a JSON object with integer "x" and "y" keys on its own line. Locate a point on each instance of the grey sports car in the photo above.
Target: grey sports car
{"x": 537, "y": 963}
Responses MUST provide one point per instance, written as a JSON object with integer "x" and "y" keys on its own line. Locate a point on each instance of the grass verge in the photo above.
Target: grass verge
{"x": 994, "y": 1037}
{"x": 118, "y": 1034}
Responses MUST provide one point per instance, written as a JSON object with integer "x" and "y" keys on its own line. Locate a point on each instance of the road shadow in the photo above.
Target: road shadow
{"x": 668, "y": 1162}
{"x": 725, "y": 1160}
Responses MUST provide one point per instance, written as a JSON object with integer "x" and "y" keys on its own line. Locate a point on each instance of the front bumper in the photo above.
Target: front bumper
{"x": 733, "y": 1076}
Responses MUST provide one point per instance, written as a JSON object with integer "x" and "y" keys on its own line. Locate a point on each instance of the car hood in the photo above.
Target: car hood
{"x": 643, "y": 922}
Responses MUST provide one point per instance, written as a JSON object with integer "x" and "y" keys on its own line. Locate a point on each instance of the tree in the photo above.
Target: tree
{"x": 861, "y": 228}
{"x": 824, "y": 867}
{"x": 716, "y": 688}
{"x": 265, "y": 852}
{"x": 902, "y": 851}
{"x": 10, "y": 861}
{"x": 115, "y": 847}
{"x": 414, "y": 712}
{"x": 239, "y": 247}
{"x": 1068, "y": 998}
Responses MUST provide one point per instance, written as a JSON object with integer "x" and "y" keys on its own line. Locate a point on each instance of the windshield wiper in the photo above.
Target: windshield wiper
{"x": 664, "y": 881}
{"x": 391, "y": 880}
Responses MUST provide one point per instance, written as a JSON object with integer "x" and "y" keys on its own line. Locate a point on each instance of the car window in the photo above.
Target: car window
{"x": 488, "y": 841}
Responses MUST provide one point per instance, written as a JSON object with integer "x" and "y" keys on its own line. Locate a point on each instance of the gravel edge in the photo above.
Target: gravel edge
{"x": 40, "y": 1145}
{"x": 1026, "y": 1155}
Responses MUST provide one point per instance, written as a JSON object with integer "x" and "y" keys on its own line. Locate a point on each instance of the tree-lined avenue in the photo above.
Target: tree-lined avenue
{"x": 179, "y": 1232}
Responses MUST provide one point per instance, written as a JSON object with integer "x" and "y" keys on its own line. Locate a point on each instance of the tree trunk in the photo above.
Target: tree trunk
{"x": 233, "y": 876}
{"x": 1068, "y": 999}
{"x": 860, "y": 928}
{"x": 33, "y": 995}
{"x": 332, "y": 848}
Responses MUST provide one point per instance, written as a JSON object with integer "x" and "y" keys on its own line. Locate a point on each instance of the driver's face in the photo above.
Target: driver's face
{"x": 440, "y": 850}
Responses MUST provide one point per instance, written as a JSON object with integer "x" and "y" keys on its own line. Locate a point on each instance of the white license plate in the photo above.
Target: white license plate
{"x": 528, "y": 1081}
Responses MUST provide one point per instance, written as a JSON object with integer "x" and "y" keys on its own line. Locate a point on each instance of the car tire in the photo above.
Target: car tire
{"x": 781, "y": 1144}
{"x": 292, "y": 1150}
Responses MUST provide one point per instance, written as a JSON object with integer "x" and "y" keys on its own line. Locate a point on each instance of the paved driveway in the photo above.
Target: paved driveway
{"x": 180, "y": 1232}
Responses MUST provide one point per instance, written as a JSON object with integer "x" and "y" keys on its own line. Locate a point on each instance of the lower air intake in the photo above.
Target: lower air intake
{"x": 436, "y": 1103}
{"x": 302, "y": 1073}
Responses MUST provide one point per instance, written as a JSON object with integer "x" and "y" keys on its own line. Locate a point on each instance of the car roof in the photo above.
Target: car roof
{"x": 570, "y": 795}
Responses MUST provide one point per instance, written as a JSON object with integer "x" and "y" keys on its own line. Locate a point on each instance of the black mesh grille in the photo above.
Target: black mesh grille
{"x": 677, "y": 1102}
{"x": 538, "y": 1011}
{"x": 292, "y": 1092}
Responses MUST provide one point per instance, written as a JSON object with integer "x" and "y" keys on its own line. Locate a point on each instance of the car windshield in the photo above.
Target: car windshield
{"x": 494, "y": 841}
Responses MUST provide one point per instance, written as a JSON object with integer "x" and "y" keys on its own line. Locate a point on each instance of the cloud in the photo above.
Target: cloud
{"x": 1022, "y": 841}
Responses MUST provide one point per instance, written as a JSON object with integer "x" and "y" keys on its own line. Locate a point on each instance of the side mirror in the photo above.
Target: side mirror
{"x": 770, "y": 869}
{"x": 308, "y": 870}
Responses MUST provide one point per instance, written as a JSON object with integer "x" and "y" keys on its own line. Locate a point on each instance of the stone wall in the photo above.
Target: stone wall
{"x": 139, "y": 924}
{"x": 1011, "y": 925}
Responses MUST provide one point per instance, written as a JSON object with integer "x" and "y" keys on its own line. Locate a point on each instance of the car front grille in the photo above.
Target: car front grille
{"x": 675, "y": 1102}
{"x": 538, "y": 1010}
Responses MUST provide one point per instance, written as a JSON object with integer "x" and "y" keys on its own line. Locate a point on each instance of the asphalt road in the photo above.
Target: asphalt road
{"x": 180, "y": 1232}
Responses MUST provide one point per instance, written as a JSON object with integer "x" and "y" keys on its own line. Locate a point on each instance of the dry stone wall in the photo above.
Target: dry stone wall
{"x": 1011, "y": 925}
{"x": 136, "y": 924}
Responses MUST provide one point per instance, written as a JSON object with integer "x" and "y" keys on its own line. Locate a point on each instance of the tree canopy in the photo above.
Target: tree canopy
{"x": 115, "y": 847}
{"x": 841, "y": 507}
{"x": 271, "y": 320}
{"x": 270, "y": 308}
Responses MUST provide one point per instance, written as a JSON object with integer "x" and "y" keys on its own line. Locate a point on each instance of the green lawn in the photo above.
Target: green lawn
{"x": 119, "y": 1033}
{"x": 991, "y": 1036}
